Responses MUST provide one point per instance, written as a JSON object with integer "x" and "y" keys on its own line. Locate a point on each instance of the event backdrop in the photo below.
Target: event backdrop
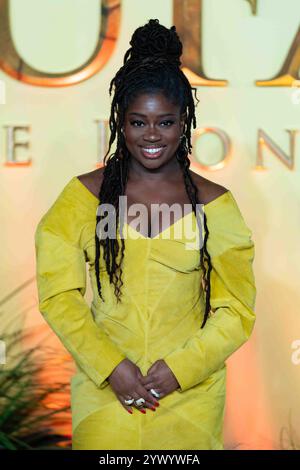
{"x": 56, "y": 62}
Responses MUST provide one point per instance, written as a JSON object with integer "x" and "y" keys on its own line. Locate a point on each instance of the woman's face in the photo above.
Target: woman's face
{"x": 152, "y": 129}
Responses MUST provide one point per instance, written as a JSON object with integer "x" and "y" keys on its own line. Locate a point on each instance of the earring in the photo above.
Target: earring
{"x": 182, "y": 137}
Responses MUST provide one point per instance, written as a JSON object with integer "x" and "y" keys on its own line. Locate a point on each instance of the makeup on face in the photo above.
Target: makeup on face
{"x": 152, "y": 128}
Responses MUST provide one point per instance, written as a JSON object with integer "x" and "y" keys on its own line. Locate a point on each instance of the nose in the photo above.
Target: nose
{"x": 151, "y": 134}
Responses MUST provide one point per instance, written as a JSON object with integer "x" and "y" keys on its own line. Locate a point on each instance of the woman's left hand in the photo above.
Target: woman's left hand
{"x": 161, "y": 378}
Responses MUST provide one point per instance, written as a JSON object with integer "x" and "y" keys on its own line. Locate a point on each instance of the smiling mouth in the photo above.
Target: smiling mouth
{"x": 153, "y": 152}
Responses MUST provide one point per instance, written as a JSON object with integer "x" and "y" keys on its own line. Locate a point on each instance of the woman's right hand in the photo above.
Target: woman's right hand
{"x": 125, "y": 382}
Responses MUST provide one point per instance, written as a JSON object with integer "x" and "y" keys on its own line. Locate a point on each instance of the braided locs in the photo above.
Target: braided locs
{"x": 151, "y": 65}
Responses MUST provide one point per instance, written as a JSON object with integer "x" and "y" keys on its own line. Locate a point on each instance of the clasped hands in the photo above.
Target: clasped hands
{"x": 127, "y": 382}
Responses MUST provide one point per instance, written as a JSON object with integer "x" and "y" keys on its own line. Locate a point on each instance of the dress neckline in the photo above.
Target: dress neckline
{"x": 170, "y": 227}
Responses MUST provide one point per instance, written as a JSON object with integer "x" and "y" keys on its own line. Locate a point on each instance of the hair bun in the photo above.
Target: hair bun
{"x": 154, "y": 40}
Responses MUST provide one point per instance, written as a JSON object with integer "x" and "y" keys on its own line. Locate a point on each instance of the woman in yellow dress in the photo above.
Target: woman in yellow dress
{"x": 167, "y": 309}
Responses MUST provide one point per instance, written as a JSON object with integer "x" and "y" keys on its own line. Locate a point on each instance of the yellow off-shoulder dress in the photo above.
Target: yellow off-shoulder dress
{"x": 159, "y": 317}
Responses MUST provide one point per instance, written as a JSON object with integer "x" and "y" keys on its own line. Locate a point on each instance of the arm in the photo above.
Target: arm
{"x": 61, "y": 282}
{"x": 232, "y": 300}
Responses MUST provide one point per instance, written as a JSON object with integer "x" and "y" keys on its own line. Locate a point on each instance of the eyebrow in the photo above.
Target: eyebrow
{"x": 160, "y": 115}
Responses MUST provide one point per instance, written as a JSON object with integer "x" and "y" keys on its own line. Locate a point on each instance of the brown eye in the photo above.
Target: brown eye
{"x": 133, "y": 123}
{"x": 169, "y": 123}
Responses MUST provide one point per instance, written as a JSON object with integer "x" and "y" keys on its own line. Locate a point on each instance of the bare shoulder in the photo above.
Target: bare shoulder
{"x": 207, "y": 190}
{"x": 92, "y": 180}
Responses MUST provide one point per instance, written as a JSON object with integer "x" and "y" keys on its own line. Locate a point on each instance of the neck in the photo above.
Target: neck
{"x": 170, "y": 170}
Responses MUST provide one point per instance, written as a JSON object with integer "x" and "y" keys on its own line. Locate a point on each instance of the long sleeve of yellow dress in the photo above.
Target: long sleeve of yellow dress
{"x": 232, "y": 299}
{"x": 61, "y": 283}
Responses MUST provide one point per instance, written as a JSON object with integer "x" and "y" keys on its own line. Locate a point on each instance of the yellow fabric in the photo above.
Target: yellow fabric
{"x": 159, "y": 317}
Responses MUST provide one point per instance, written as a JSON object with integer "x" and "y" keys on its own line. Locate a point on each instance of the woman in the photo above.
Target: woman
{"x": 165, "y": 314}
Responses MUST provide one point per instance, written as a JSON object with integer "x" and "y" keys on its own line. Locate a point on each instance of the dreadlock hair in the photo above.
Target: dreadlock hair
{"x": 151, "y": 65}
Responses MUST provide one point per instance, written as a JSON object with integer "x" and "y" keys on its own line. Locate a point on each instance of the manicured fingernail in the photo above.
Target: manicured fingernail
{"x": 143, "y": 411}
{"x": 156, "y": 403}
{"x": 129, "y": 411}
{"x": 153, "y": 408}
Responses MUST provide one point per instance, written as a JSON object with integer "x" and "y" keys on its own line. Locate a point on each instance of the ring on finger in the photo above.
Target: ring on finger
{"x": 154, "y": 393}
{"x": 139, "y": 402}
{"x": 129, "y": 401}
